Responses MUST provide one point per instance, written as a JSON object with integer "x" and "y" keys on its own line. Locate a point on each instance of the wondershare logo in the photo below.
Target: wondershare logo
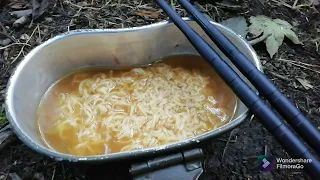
{"x": 266, "y": 163}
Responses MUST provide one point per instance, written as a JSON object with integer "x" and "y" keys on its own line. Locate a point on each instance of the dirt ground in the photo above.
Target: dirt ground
{"x": 231, "y": 156}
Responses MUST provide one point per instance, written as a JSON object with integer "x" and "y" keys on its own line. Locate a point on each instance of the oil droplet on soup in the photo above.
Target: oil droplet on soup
{"x": 97, "y": 111}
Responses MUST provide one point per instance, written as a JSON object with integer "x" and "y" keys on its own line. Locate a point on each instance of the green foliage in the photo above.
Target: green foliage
{"x": 274, "y": 29}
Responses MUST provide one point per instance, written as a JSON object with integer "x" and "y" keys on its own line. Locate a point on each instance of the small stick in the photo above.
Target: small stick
{"x": 278, "y": 76}
{"x": 54, "y": 172}
{"x": 24, "y": 45}
{"x": 63, "y": 171}
{"x": 286, "y": 60}
{"x": 81, "y": 7}
{"x": 12, "y": 44}
{"x": 305, "y": 67}
{"x": 295, "y": 63}
{"x": 265, "y": 149}
{"x": 295, "y": 3}
{"x": 39, "y": 33}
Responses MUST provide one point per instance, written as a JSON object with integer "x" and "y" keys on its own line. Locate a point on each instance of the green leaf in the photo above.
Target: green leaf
{"x": 276, "y": 29}
{"x": 272, "y": 45}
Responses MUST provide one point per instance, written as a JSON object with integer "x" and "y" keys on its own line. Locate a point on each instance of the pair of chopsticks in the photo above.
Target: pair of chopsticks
{"x": 282, "y": 104}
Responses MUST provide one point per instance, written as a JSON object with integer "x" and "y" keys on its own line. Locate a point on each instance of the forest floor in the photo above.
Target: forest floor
{"x": 295, "y": 69}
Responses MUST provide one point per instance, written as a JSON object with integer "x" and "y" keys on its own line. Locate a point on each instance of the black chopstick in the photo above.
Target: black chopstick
{"x": 281, "y": 103}
{"x": 267, "y": 117}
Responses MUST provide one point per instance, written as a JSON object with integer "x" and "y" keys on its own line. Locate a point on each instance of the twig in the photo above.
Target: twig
{"x": 286, "y": 60}
{"x": 225, "y": 148}
{"x": 231, "y": 141}
{"x": 82, "y": 7}
{"x": 63, "y": 171}
{"x": 295, "y": 3}
{"x": 294, "y": 6}
{"x": 228, "y": 6}
{"x": 245, "y": 158}
{"x": 39, "y": 33}
{"x": 259, "y": 39}
{"x": 25, "y": 45}
{"x": 12, "y": 44}
{"x": 279, "y": 76}
{"x": 305, "y": 67}
{"x": 5, "y": 72}
{"x": 6, "y": 177}
{"x": 3, "y": 28}
{"x": 61, "y": 5}
{"x": 51, "y": 164}
{"x": 54, "y": 173}
{"x": 265, "y": 149}
{"x": 299, "y": 65}
{"x": 8, "y": 36}
{"x": 216, "y": 9}
{"x": 251, "y": 118}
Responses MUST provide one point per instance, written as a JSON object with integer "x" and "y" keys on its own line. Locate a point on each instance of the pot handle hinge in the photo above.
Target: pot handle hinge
{"x": 185, "y": 165}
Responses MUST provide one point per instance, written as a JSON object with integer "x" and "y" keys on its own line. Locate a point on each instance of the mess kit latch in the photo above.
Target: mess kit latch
{"x": 185, "y": 165}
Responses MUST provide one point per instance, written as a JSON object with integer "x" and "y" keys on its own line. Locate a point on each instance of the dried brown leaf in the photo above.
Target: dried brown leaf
{"x": 151, "y": 14}
{"x": 18, "y": 5}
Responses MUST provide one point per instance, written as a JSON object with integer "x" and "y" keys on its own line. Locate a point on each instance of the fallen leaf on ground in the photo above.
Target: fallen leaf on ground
{"x": 21, "y": 21}
{"x": 5, "y": 42}
{"x": 276, "y": 29}
{"x": 237, "y": 24}
{"x": 305, "y": 83}
{"x": 39, "y": 7}
{"x": 152, "y": 14}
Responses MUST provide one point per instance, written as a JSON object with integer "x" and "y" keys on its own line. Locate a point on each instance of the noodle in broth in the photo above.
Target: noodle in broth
{"x": 100, "y": 111}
